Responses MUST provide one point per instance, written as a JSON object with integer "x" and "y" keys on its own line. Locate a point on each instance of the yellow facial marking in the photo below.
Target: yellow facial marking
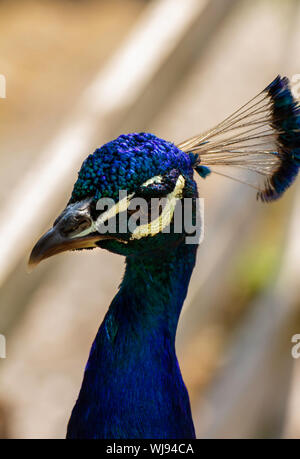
{"x": 163, "y": 220}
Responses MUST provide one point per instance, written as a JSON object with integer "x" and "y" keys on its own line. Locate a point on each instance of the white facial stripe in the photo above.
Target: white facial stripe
{"x": 121, "y": 206}
{"x": 90, "y": 229}
{"x": 163, "y": 220}
{"x": 155, "y": 179}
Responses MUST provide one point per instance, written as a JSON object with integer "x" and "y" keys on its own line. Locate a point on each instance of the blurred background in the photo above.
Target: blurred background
{"x": 79, "y": 73}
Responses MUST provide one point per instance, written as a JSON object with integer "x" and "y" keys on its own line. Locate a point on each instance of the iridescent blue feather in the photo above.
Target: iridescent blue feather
{"x": 286, "y": 121}
{"x": 262, "y": 137}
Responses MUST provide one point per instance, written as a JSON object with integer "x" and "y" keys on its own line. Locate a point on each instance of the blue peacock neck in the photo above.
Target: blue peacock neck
{"x": 157, "y": 286}
{"x": 132, "y": 386}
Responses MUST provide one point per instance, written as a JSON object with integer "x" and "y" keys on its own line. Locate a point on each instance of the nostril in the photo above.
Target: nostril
{"x": 75, "y": 225}
{"x": 84, "y": 223}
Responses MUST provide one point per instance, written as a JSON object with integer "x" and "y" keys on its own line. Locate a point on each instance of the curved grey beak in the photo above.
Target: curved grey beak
{"x": 52, "y": 243}
{"x": 72, "y": 230}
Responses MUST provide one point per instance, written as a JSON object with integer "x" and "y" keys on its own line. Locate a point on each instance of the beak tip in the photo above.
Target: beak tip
{"x": 52, "y": 243}
{"x": 31, "y": 264}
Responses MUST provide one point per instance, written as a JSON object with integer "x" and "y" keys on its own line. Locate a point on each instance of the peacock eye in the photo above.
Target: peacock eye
{"x": 158, "y": 186}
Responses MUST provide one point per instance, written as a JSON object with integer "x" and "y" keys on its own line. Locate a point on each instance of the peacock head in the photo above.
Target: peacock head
{"x": 261, "y": 138}
{"x": 127, "y": 198}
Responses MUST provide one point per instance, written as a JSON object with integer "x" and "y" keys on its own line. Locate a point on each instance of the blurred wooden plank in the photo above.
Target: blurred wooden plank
{"x": 251, "y": 389}
{"x": 292, "y": 425}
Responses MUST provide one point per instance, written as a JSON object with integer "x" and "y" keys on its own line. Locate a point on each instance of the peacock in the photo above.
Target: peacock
{"x": 132, "y": 385}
